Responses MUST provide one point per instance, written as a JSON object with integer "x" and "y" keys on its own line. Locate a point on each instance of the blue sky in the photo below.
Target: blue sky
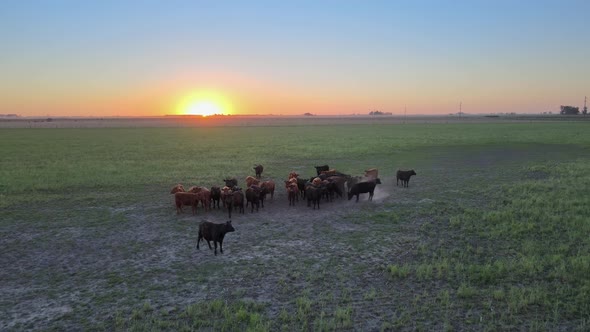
{"x": 332, "y": 57}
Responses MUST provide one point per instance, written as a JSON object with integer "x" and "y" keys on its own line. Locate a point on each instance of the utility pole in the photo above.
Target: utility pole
{"x": 585, "y": 111}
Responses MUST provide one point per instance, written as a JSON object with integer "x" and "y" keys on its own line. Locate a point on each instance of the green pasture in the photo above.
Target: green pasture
{"x": 46, "y": 164}
{"x": 493, "y": 233}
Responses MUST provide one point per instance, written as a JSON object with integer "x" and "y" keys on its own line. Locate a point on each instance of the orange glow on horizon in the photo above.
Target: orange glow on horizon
{"x": 204, "y": 103}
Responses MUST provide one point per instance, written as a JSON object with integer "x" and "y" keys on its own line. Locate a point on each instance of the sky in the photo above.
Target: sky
{"x": 150, "y": 58}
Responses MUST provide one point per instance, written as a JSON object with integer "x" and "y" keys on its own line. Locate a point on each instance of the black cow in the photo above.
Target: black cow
{"x": 238, "y": 200}
{"x": 332, "y": 189}
{"x": 214, "y": 232}
{"x": 313, "y": 194}
{"x": 215, "y": 195}
{"x": 263, "y": 192}
{"x": 301, "y": 186}
{"x": 405, "y": 177}
{"x": 253, "y": 197}
{"x": 340, "y": 182}
{"x": 258, "y": 169}
{"x": 322, "y": 168}
{"x": 362, "y": 188}
{"x": 231, "y": 182}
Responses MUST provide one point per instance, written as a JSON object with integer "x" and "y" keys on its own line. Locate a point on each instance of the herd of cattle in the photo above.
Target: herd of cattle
{"x": 327, "y": 185}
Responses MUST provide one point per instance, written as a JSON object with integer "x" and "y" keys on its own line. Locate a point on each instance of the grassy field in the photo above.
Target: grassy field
{"x": 491, "y": 234}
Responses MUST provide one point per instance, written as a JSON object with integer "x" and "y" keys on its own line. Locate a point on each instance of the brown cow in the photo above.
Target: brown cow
{"x": 372, "y": 173}
{"x": 253, "y": 197}
{"x": 251, "y": 181}
{"x": 226, "y": 196}
{"x": 179, "y": 188}
{"x": 184, "y": 198}
{"x": 316, "y": 182}
{"x": 292, "y": 193}
{"x": 204, "y": 196}
{"x": 269, "y": 187}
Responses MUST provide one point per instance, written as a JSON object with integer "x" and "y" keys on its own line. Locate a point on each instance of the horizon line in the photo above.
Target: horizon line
{"x": 17, "y": 116}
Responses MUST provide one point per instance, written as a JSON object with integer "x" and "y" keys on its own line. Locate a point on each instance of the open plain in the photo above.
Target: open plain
{"x": 491, "y": 234}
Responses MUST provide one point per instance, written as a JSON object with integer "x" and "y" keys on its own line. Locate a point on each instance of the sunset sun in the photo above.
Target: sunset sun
{"x": 204, "y": 108}
{"x": 204, "y": 104}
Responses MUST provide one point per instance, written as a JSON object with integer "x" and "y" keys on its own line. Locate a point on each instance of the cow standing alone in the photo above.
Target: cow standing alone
{"x": 258, "y": 169}
{"x": 405, "y": 177}
{"x": 214, "y": 232}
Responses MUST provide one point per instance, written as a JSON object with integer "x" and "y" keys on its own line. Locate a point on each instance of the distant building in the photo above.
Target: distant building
{"x": 379, "y": 113}
{"x": 569, "y": 110}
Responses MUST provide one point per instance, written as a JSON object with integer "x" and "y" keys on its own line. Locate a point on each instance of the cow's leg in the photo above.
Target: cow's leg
{"x": 221, "y": 246}
{"x": 215, "y": 243}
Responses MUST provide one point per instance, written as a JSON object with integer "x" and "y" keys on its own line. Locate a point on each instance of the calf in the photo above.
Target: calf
{"x": 258, "y": 169}
{"x": 214, "y": 232}
{"x": 405, "y": 177}
{"x": 362, "y": 188}
{"x": 184, "y": 198}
